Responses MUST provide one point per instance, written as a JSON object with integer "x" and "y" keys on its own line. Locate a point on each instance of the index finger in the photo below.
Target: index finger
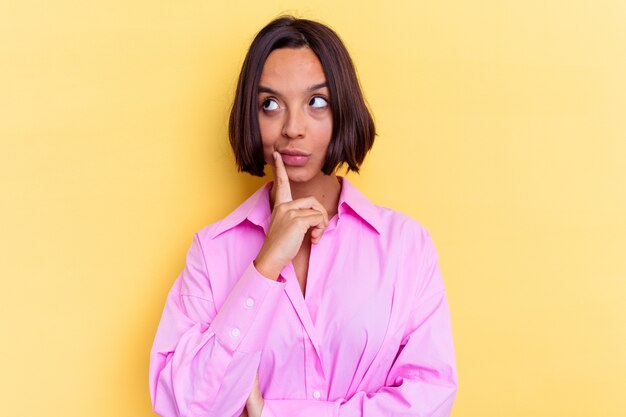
{"x": 281, "y": 181}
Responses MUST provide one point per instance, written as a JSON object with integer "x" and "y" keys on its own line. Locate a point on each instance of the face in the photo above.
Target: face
{"x": 294, "y": 112}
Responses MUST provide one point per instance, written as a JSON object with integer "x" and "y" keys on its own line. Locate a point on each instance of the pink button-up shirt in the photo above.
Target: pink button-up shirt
{"x": 371, "y": 337}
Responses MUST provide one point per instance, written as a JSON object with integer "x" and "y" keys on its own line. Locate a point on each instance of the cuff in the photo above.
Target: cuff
{"x": 242, "y": 321}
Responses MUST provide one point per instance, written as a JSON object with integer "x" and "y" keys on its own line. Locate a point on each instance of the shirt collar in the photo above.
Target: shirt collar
{"x": 353, "y": 200}
{"x": 256, "y": 209}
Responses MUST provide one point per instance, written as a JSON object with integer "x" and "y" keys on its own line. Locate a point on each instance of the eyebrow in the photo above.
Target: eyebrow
{"x": 264, "y": 89}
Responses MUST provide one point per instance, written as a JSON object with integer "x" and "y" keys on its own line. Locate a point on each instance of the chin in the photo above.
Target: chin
{"x": 301, "y": 174}
{"x": 298, "y": 177}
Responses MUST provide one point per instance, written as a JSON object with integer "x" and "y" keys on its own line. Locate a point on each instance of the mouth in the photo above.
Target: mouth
{"x": 294, "y": 157}
{"x": 294, "y": 152}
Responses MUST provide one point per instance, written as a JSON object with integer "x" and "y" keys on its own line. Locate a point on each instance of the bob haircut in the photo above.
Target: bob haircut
{"x": 353, "y": 127}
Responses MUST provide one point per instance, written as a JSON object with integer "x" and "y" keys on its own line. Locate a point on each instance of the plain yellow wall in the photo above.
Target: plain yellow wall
{"x": 502, "y": 128}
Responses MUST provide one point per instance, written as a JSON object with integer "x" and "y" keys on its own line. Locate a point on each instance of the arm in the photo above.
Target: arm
{"x": 422, "y": 380}
{"x": 203, "y": 362}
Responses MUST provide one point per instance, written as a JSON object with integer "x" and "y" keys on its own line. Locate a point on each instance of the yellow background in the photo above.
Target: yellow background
{"x": 502, "y": 128}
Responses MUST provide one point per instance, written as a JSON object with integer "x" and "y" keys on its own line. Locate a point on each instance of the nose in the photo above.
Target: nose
{"x": 295, "y": 124}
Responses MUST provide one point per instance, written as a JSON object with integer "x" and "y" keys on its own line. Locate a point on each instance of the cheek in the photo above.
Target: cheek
{"x": 268, "y": 137}
{"x": 324, "y": 131}
{"x": 270, "y": 127}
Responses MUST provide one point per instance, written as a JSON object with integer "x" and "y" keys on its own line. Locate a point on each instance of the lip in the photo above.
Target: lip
{"x": 294, "y": 152}
{"x": 294, "y": 157}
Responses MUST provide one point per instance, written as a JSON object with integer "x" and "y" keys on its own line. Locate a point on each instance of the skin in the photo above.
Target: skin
{"x": 294, "y": 115}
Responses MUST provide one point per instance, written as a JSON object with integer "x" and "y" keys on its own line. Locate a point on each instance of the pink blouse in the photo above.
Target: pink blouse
{"x": 371, "y": 337}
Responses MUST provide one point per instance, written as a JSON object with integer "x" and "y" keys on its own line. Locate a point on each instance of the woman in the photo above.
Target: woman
{"x": 307, "y": 300}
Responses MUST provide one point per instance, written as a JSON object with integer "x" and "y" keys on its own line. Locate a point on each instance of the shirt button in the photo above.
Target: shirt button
{"x": 317, "y": 394}
{"x": 249, "y": 302}
{"x": 235, "y": 332}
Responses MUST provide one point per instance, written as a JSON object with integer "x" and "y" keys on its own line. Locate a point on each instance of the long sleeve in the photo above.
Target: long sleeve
{"x": 204, "y": 359}
{"x": 422, "y": 380}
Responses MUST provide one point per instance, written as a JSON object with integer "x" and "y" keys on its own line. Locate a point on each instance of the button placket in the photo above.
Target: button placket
{"x": 314, "y": 373}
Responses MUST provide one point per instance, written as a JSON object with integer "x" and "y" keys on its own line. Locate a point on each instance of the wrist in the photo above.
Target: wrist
{"x": 267, "y": 269}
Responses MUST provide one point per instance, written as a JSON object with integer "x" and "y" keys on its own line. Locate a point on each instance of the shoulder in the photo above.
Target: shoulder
{"x": 210, "y": 231}
{"x": 386, "y": 221}
{"x": 397, "y": 230}
{"x": 412, "y": 241}
{"x": 253, "y": 213}
{"x": 400, "y": 225}
{"x": 221, "y": 251}
{"x": 222, "y": 236}
{"x": 418, "y": 260}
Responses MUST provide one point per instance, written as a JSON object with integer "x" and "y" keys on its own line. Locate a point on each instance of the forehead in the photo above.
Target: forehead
{"x": 292, "y": 68}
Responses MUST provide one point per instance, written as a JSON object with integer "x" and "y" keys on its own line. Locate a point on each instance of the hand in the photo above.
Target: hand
{"x": 291, "y": 221}
{"x": 254, "y": 404}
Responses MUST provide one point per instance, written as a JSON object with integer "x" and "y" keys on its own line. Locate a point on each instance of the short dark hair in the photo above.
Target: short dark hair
{"x": 353, "y": 127}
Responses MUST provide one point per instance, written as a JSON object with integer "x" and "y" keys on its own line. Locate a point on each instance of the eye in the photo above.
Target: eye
{"x": 318, "y": 102}
{"x": 270, "y": 104}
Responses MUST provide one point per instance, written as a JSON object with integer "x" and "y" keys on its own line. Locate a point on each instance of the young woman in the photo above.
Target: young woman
{"x": 307, "y": 300}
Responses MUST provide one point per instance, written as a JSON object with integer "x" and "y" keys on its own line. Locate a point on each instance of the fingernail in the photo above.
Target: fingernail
{"x": 275, "y": 154}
